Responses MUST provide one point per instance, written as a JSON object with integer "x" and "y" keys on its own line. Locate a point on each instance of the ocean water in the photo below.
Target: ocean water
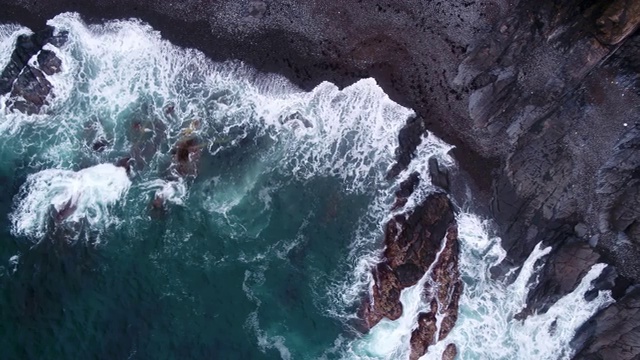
{"x": 261, "y": 251}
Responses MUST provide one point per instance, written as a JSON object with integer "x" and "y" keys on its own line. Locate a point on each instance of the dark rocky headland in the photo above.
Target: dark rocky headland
{"x": 540, "y": 99}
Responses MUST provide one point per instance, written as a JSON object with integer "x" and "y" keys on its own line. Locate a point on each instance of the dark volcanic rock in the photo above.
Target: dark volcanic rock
{"x": 28, "y": 85}
{"x": 26, "y": 47}
{"x": 439, "y": 175}
{"x": 49, "y": 62}
{"x": 409, "y": 138}
{"x": 618, "y": 192}
{"x": 564, "y": 269}
{"x": 407, "y": 187}
{"x": 30, "y": 91}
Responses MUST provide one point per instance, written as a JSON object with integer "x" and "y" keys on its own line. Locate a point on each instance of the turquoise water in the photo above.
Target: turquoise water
{"x": 256, "y": 245}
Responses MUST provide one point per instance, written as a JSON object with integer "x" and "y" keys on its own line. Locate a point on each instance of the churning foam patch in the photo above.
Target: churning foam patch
{"x": 8, "y": 35}
{"x": 124, "y": 66}
{"x": 85, "y": 195}
{"x": 486, "y": 326}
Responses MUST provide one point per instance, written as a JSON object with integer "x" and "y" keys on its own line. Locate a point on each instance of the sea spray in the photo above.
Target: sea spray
{"x": 85, "y": 195}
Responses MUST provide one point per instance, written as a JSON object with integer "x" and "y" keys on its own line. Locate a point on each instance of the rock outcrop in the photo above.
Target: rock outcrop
{"x": 612, "y": 334}
{"x": 424, "y": 242}
{"x": 412, "y": 243}
{"x": 444, "y": 288}
{"x": 27, "y": 84}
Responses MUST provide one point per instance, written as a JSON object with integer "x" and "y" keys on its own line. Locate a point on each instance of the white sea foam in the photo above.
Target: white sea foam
{"x": 327, "y": 131}
{"x": 86, "y": 195}
{"x": 486, "y": 328}
{"x": 174, "y": 192}
{"x": 122, "y": 73}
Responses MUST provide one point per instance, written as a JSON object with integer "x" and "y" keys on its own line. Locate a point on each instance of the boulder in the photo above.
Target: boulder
{"x": 48, "y": 62}
{"x": 450, "y": 352}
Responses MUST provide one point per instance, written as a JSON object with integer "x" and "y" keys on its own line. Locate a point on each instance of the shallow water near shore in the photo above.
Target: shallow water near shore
{"x": 262, "y": 246}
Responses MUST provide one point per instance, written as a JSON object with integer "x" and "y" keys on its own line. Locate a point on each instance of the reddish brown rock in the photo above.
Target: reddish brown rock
{"x": 412, "y": 242}
{"x": 450, "y": 352}
{"x": 423, "y": 241}
{"x": 619, "y": 20}
{"x": 424, "y": 335}
{"x": 448, "y": 286}
{"x": 444, "y": 288}
{"x": 386, "y": 296}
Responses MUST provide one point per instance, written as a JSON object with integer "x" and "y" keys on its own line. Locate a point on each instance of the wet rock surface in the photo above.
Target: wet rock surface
{"x": 538, "y": 97}
{"x": 25, "y": 82}
{"x": 422, "y": 242}
{"x": 412, "y": 242}
{"x": 444, "y": 287}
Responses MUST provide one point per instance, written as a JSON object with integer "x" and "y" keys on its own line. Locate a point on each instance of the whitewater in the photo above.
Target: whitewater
{"x": 263, "y": 248}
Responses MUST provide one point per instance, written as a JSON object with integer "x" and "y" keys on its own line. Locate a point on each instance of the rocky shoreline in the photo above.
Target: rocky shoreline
{"x": 539, "y": 99}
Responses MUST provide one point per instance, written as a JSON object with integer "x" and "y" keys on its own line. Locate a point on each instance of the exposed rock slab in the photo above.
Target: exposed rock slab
{"x": 444, "y": 288}
{"x": 412, "y": 243}
{"x": 613, "y": 333}
{"x": 27, "y": 84}
{"x": 424, "y": 242}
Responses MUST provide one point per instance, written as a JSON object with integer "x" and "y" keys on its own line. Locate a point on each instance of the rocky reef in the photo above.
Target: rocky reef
{"x": 25, "y": 82}
{"x": 539, "y": 98}
{"x": 422, "y": 243}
